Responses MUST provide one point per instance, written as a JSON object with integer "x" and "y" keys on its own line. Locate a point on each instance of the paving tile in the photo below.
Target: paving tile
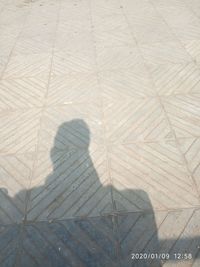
{"x": 183, "y": 22}
{"x": 139, "y": 119}
{"x": 176, "y": 79}
{"x": 70, "y": 61}
{"x": 15, "y": 172}
{"x": 34, "y": 45}
{"x": 19, "y": 131}
{"x": 190, "y": 148}
{"x": 77, "y": 88}
{"x": 163, "y": 232}
{"x": 156, "y": 168}
{"x": 9, "y": 242}
{"x": 112, "y": 31}
{"x": 148, "y": 27}
{"x": 183, "y": 113}
{"x": 70, "y": 184}
{"x": 28, "y": 66}
{"x": 87, "y": 242}
{"x": 126, "y": 83}
{"x": 81, "y": 40}
{"x": 122, "y": 57}
{"x": 105, "y": 8}
{"x": 22, "y": 93}
{"x": 3, "y": 61}
{"x": 71, "y": 126}
{"x": 193, "y": 48}
{"x": 165, "y": 53}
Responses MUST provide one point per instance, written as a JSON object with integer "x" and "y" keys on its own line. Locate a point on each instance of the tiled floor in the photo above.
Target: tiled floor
{"x": 99, "y": 133}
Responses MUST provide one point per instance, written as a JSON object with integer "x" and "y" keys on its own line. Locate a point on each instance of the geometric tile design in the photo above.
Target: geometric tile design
{"x": 15, "y": 174}
{"x": 126, "y": 83}
{"x": 176, "y": 79}
{"x": 122, "y": 57}
{"x": 71, "y": 184}
{"x": 148, "y": 27}
{"x": 9, "y": 243}
{"x": 138, "y": 120}
{"x": 19, "y": 130}
{"x": 190, "y": 148}
{"x": 74, "y": 88}
{"x": 67, "y": 62}
{"x": 71, "y": 126}
{"x": 183, "y": 113}
{"x": 165, "y": 53}
{"x": 28, "y": 66}
{"x": 70, "y": 243}
{"x": 22, "y": 93}
{"x": 193, "y": 48}
{"x": 158, "y": 170}
{"x": 111, "y": 31}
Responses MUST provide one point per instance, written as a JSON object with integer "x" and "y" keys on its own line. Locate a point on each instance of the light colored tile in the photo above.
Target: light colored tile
{"x": 190, "y": 148}
{"x": 112, "y": 31}
{"x": 22, "y": 93}
{"x": 126, "y": 83}
{"x": 19, "y": 130}
{"x": 157, "y": 169}
{"x": 176, "y": 79}
{"x": 184, "y": 114}
{"x": 77, "y": 88}
{"x": 28, "y": 66}
{"x": 135, "y": 120}
{"x": 123, "y": 57}
{"x": 70, "y": 61}
{"x": 163, "y": 53}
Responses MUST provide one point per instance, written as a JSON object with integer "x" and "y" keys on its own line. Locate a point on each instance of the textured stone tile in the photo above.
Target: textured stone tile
{"x": 9, "y": 242}
{"x": 69, "y": 184}
{"x": 71, "y": 126}
{"x": 184, "y": 24}
{"x": 15, "y": 172}
{"x": 70, "y": 61}
{"x": 86, "y": 242}
{"x": 157, "y": 169}
{"x": 165, "y": 53}
{"x": 183, "y": 113}
{"x": 193, "y": 48}
{"x": 126, "y": 83}
{"x": 28, "y": 66}
{"x": 34, "y": 45}
{"x": 3, "y": 61}
{"x": 19, "y": 130}
{"x": 105, "y": 8}
{"x": 80, "y": 40}
{"x": 148, "y": 27}
{"x": 139, "y": 119}
{"x": 176, "y": 79}
{"x": 112, "y": 31}
{"x": 77, "y": 88}
{"x": 122, "y": 57}
{"x": 190, "y": 148}
{"x": 22, "y": 93}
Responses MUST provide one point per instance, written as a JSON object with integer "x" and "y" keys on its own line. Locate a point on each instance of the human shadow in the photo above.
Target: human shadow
{"x": 77, "y": 191}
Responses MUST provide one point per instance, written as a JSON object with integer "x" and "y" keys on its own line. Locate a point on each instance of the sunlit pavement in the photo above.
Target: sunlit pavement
{"x": 99, "y": 133}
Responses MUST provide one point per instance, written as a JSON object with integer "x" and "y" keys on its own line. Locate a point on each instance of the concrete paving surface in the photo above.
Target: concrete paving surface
{"x": 99, "y": 133}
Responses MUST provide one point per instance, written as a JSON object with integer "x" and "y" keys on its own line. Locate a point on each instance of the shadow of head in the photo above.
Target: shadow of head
{"x": 71, "y": 134}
